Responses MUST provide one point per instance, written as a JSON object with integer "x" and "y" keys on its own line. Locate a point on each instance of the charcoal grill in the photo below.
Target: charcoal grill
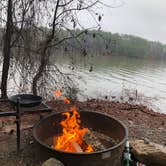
{"x": 22, "y": 104}
{"x": 26, "y": 100}
{"x": 44, "y": 130}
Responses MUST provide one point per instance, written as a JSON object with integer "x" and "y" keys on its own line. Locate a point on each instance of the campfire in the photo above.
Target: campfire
{"x": 73, "y": 135}
{"x": 80, "y": 137}
{"x": 71, "y": 139}
{"x": 75, "y": 138}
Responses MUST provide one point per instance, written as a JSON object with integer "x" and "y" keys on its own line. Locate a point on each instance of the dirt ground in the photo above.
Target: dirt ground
{"x": 141, "y": 122}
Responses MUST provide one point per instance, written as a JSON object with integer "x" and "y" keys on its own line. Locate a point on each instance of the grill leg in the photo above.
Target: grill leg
{"x": 18, "y": 123}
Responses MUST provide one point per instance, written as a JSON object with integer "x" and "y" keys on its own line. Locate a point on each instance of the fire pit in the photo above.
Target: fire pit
{"x": 49, "y": 128}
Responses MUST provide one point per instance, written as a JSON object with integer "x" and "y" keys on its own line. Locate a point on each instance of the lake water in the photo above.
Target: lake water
{"x": 120, "y": 78}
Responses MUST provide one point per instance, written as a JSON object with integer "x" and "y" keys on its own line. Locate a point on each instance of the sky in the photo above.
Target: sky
{"x": 144, "y": 18}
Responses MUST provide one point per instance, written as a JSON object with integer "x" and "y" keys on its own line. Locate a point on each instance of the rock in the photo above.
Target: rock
{"x": 161, "y": 128}
{"x": 52, "y": 162}
{"x": 130, "y": 122}
{"x": 146, "y": 141}
{"x": 151, "y": 154}
{"x": 31, "y": 142}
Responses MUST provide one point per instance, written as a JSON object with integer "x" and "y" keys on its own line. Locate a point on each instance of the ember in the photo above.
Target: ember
{"x": 71, "y": 139}
{"x": 57, "y": 93}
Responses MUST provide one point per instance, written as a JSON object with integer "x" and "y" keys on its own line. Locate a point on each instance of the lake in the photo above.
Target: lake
{"x": 119, "y": 78}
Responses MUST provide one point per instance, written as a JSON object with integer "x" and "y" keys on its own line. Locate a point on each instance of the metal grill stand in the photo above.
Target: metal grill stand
{"x": 20, "y": 110}
{"x": 18, "y": 123}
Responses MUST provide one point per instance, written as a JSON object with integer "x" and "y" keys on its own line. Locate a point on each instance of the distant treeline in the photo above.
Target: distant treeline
{"x": 106, "y": 43}
{"x": 100, "y": 43}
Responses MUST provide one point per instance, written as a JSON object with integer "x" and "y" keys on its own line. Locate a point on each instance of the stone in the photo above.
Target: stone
{"x": 52, "y": 162}
{"x": 146, "y": 141}
{"x": 130, "y": 122}
{"x": 149, "y": 153}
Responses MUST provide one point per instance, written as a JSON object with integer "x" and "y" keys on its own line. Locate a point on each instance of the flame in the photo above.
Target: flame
{"x": 71, "y": 139}
{"x": 57, "y": 93}
{"x": 66, "y": 100}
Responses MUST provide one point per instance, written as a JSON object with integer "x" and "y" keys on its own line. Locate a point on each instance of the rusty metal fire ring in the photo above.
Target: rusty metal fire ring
{"x": 98, "y": 121}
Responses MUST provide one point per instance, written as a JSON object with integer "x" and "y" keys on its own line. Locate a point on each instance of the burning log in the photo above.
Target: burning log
{"x": 71, "y": 137}
{"x": 90, "y": 138}
{"x": 76, "y": 147}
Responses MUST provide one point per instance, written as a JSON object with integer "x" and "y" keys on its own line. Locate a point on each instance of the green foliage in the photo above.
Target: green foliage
{"x": 105, "y": 43}
{"x": 100, "y": 43}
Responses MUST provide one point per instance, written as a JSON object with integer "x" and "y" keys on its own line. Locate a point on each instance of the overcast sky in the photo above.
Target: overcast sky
{"x": 144, "y": 18}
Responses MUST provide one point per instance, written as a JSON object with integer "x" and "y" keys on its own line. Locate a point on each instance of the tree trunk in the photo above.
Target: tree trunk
{"x": 44, "y": 59}
{"x": 6, "y": 50}
{"x": 43, "y": 64}
{"x": 38, "y": 75}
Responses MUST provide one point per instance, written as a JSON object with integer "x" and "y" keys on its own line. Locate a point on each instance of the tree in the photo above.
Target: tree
{"x": 6, "y": 49}
{"x": 50, "y": 18}
{"x": 63, "y": 12}
{"x": 14, "y": 15}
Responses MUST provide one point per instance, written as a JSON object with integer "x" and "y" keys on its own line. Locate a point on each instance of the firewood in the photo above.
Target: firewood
{"x": 90, "y": 138}
{"x": 76, "y": 146}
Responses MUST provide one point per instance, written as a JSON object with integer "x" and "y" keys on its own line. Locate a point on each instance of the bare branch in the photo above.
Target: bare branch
{"x": 66, "y": 38}
{"x": 65, "y": 4}
{"x": 76, "y": 9}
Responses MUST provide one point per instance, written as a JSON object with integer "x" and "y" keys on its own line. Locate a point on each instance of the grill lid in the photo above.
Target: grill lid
{"x": 26, "y": 100}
